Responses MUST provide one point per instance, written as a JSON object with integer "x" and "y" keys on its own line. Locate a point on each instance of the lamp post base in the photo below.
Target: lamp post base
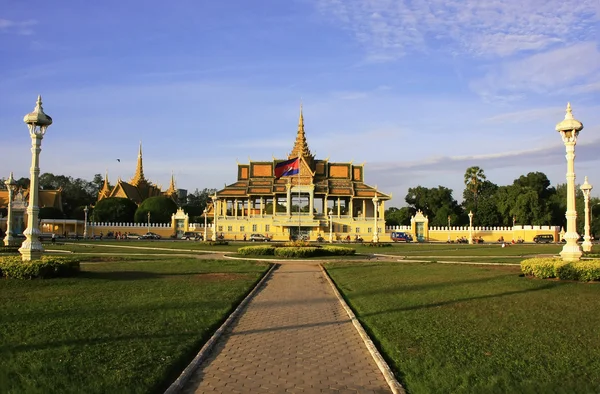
{"x": 29, "y": 254}
{"x": 586, "y": 245}
{"x": 8, "y": 240}
{"x": 571, "y": 252}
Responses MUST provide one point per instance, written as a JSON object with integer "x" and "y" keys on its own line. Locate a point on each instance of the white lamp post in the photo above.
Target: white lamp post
{"x": 470, "y": 227}
{"x": 11, "y": 185}
{"x": 569, "y": 129}
{"x": 214, "y": 233}
{"x": 85, "y": 224}
{"x": 148, "y": 221}
{"x": 586, "y": 188}
{"x": 37, "y": 122}
{"x": 205, "y": 212}
{"x": 330, "y": 226}
{"x": 448, "y": 228}
{"x": 375, "y": 208}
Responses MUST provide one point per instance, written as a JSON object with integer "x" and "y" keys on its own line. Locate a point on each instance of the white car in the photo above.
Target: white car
{"x": 259, "y": 238}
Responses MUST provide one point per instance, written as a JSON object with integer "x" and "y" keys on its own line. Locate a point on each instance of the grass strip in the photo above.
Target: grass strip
{"x": 477, "y": 329}
{"x": 121, "y": 326}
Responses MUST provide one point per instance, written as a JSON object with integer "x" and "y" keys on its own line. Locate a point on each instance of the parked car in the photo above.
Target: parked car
{"x": 132, "y": 236}
{"x": 543, "y": 238}
{"x": 259, "y": 238}
{"x": 398, "y": 236}
{"x": 149, "y": 236}
{"x": 190, "y": 235}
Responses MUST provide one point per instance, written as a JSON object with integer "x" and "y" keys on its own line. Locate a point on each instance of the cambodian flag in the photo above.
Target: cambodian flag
{"x": 288, "y": 167}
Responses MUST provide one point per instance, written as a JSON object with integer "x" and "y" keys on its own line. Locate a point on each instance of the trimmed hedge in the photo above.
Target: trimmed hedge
{"x": 295, "y": 252}
{"x": 586, "y": 270}
{"x": 292, "y": 252}
{"x": 47, "y": 267}
{"x": 262, "y": 250}
{"x": 339, "y": 250}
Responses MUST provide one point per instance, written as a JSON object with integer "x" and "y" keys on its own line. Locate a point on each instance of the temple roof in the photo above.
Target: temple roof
{"x": 138, "y": 178}
{"x": 139, "y": 188}
{"x": 333, "y": 179}
{"x": 46, "y": 198}
{"x": 300, "y": 148}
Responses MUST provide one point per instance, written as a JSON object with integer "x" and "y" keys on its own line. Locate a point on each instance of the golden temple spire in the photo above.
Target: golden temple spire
{"x": 138, "y": 178}
{"x": 172, "y": 190}
{"x": 301, "y": 146}
{"x": 105, "y": 191}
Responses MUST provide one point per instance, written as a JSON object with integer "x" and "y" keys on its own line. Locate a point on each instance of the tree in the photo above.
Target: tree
{"x": 200, "y": 198}
{"x": 161, "y": 209}
{"x": 114, "y": 210}
{"x": 398, "y": 216}
{"x": 50, "y": 213}
{"x": 486, "y": 211}
{"x": 436, "y": 203}
{"x": 76, "y": 192}
{"x": 474, "y": 176}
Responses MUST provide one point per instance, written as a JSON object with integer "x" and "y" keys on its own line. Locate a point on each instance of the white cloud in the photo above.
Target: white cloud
{"x": 389, "y": 29}
{"x": 542, "y": 72}
{"x": 528, "y": 115}
{"x": 18, "y": 27}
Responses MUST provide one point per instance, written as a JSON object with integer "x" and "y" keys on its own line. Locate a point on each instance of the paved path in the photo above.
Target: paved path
{"x": 293, "y": 337}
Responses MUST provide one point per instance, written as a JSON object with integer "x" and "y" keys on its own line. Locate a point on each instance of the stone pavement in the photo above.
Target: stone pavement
{"x": 293, "y": 337}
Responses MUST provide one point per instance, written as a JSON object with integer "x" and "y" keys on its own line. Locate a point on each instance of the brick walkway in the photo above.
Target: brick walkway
{"x": 293, "y": 337}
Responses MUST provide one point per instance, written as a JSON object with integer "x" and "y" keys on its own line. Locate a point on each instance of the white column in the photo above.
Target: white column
{"x": 289, "y": 200}
{"x": 571, "y": 250}
{"x": 32, "y": 249}
{"x": 375, "y": 207}
{"x": 311, "y": 201}
{"x": 215, "y": 205}
{"x": 10, "y": 185}
{"x": 586, "y": 188}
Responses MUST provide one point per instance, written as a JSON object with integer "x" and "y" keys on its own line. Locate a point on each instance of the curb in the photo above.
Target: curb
{"x": 178, "y": 384}
{"x": 395, "y": 386}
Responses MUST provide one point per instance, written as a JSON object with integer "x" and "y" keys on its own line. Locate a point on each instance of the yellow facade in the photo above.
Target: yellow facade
{"x": 323, "y": 196}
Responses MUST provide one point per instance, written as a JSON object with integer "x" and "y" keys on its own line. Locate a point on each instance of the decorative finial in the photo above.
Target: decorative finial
{"x": 569, "y": 124}
{"x": 569, "y": 114}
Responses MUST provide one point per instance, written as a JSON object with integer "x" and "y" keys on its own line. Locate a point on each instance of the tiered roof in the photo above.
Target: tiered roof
{"x": 335, "y": 179}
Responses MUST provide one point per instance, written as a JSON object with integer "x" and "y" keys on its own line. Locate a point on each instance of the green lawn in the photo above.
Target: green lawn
{"x": 129, "y": 325}
{"x": 437, "y": 251}
{"x": 472, "y": 329}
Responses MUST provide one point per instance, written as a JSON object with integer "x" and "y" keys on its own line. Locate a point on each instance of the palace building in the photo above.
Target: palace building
{"x": 138, "y": 188}
{"x": 324, "y": 199}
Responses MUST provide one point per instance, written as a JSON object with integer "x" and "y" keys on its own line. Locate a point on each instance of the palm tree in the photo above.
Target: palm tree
{"x": 474, "y": 176}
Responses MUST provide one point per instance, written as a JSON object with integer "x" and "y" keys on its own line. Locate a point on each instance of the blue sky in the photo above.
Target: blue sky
{"x": 419, "y": 91}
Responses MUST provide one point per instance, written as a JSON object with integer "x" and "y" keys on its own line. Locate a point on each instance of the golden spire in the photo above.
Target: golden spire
{"x": 105, "y": 191}
{"x": 138, "y": 178}
{"x": 301, "y": 146}
{"x": 172, "y": 190}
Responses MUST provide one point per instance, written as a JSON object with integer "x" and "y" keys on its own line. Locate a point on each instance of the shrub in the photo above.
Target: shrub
{"x": 262, "y": 250}
{"x": 298, "y": 244}
{"x": 567, "y": 271}
{"x": 379, "y": 244}
{"x": 587, "y": 270}
{"x": 216, "y": 243}
{"x": 46, "y": 267}
{"x": 294, "y": 252}
{"x": 339, "y": 250}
